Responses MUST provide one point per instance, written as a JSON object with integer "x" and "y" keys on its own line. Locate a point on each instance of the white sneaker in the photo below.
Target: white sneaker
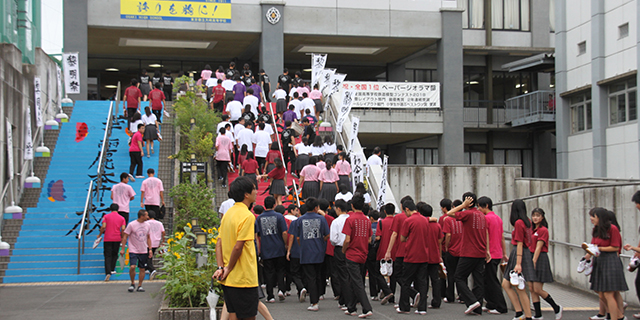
{"x": 313, "y": 307}
{"x": 131, "y": 178}
{"x": 582, "y": 265}
{"x": 442, "y": 271}
{"x": 416, "y": 300}
{"x": 589, "y": 268}
{"x": 472, "y": 307}
{"x": 152, "y": 275}
{"x": 598, "y": 317}
{"x": 521, "y": 282}
{"x": 559, "y": 313}
{"x": 591, "y": 249}
{"x": 280, "y": 296}
{"x": 536, "y": 318}
{"x": 494, "y": 311}
{"x": 364, "y": 315}
{"x": 383, "y": 268}
{"x": 633, "y": 264}
{"x": 303, "y": 294}
{"x": 422, "y": 313}
{"x": 272, "y": 300}
{"x": 389, "y": 267}
{"x": 513, "y": 278}
{"x": 353, "y": 314}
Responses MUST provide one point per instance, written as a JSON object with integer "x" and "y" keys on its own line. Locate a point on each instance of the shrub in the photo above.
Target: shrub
{"x": 193, "y": 200}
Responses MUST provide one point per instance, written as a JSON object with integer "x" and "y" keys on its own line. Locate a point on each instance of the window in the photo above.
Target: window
{"x": 510, "y": 15}
{"x": 581, "y": 112}
{"x": 421, "y": 75}
{"x": 522, "y": 157}
{"x": 422, "y": 156}
{"x": 623, "y": 30}
{"x": 622, "y": 101}
{"x": 582, "y": 48}
{"x": 473, "y": 15}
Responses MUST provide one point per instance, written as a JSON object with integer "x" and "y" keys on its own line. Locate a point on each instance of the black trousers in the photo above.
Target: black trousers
{"x": 223, "y": 169}
{"x": 274, "y": 274}
{"x": 433, "y": 276}
{"x": 155, "y": 209}
{"x": 313, "y": 278}
{"x": 326, "y": 272}
{"x": 414, "y": 272}
{"x": 158, "y": 114}
{"x": 340, "y": 275}
{"x": 150, "y": 266}
{"x": 218, "y": 106}
{"x": 475, "y": 267}
{"x": 451, "y": 262}
{"x": 130, "y": 113}
{"x": 136, "y": 161}
{"x": 168, "y": 92}
{"x": 289, "y": 157}
{"x": 376, "y": 280}
{"x": 355, "y": 293}
{"x": 111, "y": 249}
{"x": 125, "y": 215}
{"x": 398, "y": 276}
{"x": 295, "y": 274}
{"x": 638, "y": 284}
{"x": 261, "y": 161}
{"x": 493, "y": 287}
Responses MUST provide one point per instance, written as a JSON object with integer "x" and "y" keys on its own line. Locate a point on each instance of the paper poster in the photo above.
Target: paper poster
{"x": 345, "y": 108}
{"x": 71, "y": 73}
{"x": 318, "y": 62}
{"x": 212, "y": 11}
{"x": 383, "y": 185}
{"x": 371, "y": 94}
{"x": 28, "y": 140}
{"x": 355, "y": 123}
{"x": 38, "y": 101}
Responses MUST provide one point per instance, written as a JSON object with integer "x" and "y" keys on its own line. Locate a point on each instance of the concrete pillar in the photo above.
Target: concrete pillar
{"x": 540, "y": 26}
{"x": 638, "y": 64}
{"x": 543, "y": 82}
{"x": 76, "y": 39}
{"x": 396, "y": 73}
{"x": 599, "y": 97}
{"x": 272, "y": 43}
{"x": 563, "y": 113}
{"x": 451, "y": 143}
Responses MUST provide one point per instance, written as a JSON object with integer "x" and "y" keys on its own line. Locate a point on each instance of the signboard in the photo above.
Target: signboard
{"x": 59, "y": 76}
{"x": 28, "y": 140}
{"x": 188, "y": 167}
{"x": 383, "y": 185}
{"x": 214, "y": 11}
{"x": 355, "y": 124}
{"x": 71, "y": 73}
{"x": 394, "y": 94}
{"x": 345, "y": 108}
{"x": 38, "y": 102}
{"x": 10, "y": 149}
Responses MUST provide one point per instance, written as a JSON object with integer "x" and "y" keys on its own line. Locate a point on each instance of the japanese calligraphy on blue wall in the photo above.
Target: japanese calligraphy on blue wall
{"x": 213, "y": 11}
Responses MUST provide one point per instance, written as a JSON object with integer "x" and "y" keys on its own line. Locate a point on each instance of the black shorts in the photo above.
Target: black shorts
{"x": 138, "y": 258}
{"x": 241, "y": 301}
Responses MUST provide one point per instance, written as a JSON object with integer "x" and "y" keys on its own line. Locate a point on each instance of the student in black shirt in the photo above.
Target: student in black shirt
{"x": 284, "y": 80}
{"x": 263, "y": 79}
{"x": 309, "y": 131}
{"x": 247, "y": 115}
{"x": 287, "y": 136}
{"x": 167, "y": 85}
{"x": 231, "y": 72}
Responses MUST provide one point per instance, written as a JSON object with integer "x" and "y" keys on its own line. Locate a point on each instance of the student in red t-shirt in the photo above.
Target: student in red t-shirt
{"x": 414, "y": 233}
{"x": 434, "y": 245}
{"x": 250, "y": 168}
{"x": 132, "y": 97}
{"x": 474, "y": 253}
{"x": 357, "y": 230}
{"x": 157, "y": 101}
{"x": 452, "y": 243}
{"x": 492, "y": 285}
{"x": 445, "y": 206}
{"x": 217, "y": 102}
{"x": 136, "y": 152}
{"x": 113, "y": 225}
{"x": 278, "y": 181}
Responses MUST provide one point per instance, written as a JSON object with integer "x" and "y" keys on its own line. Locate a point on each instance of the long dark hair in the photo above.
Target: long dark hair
{"x": 543, "y": 223}
{"x": 601, "y": 230}
{"x": 147, "y": 111}
{"x": 328, "y": 140}
{"x": 519, "y": 212}
{"x": 278, "y": 163}
{"x": 244, "y": 149}
{"x": 249, "y": 155}
{"x": 317, "y": 142}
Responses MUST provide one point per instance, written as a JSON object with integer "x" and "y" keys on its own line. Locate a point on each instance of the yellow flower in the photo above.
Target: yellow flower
{"x": 189, "y": 224}
{"x": 169, "y": 241}
{"x": 210, "y": 231}
{"x": 177, "y": 255}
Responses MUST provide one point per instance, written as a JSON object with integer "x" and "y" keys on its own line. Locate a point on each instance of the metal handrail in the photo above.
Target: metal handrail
{"x": 507, "y": 236}
{"x": 87, "y": 208}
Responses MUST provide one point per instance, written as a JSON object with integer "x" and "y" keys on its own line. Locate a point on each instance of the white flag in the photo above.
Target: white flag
{"x": 355, "y": 123}
{"x": 9, "y": 149}
{"x": 383, "y": 184}
{"x": 357, "y": 168}
{"x": 325, "y": 78}
{"x": 318, "y": 62}
{"x": 335, "y": 83}
{"x": 28, "y": 140}
{"x": 71, "y": 73}
{"x": 38, "y": 102}
{"x": 59, "y": 75}
{"x": 345, "y": 108}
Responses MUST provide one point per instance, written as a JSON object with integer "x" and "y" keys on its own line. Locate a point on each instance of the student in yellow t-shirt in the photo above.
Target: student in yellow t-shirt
{"x": 236, "y": 253}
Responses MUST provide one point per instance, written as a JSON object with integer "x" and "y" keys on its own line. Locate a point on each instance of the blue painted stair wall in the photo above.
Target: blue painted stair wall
{"x": 47, "y": 246}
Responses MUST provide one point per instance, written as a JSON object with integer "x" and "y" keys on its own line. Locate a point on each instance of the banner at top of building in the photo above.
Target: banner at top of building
{"x": 394, "y": 94}
{"x": 214, "y": 11}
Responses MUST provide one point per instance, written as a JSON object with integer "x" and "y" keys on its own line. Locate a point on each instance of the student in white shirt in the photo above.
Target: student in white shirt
{"x": 252, "y": 100}
{"x": 298, "y": 104}
{"x": 245, "y": 137}
{"x": 337, "y": 240}
{"x": 375, "y": 159}
{"x": 308, "y": 103}
{"x": 262, "y": 140}
{"x": 239, "y": 126}
{"x": 302, "y": 154}
{"x": 344, "y": 193}
{"x": 281, "y": 100}
{"x": 234, "y": 108}
{"x": 225, "y": 120}
{"x": 228, "y": 86}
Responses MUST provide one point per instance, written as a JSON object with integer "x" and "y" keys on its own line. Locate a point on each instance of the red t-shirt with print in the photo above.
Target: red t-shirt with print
{"x": 433, "y": 235}
{"x": 416, "y": 230}
{"x": 540, "y": 234}
{"x": 521, "y": 234}
{"x": 398, "y": 222}
{"x": 453, "y": 227}
{"x": 384, "y": 231}
{"x": 358, "y": 228}
{"x": 474, "y": 233}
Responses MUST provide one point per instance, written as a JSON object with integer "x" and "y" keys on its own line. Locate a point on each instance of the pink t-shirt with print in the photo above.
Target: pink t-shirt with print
{"x": 138, "y": 233}
{"x": 224, "y": 145}
{"x": 156, "y": 232}
{"x": 122, "y": 194}
{"x": 152, "y": 187}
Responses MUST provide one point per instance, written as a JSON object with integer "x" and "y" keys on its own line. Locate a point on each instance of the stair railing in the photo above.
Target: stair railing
{"x": 87, "y": 210}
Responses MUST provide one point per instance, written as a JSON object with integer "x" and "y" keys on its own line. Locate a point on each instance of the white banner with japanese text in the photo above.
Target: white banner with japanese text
{"x": 345, "y": 108}
{"x": 357, "y": 168}
{"x": 28, "y": 140}
{"x": 325, "y": 79}
{"x": 394, "y": 94}
{"x": 71, "y": 73}
{"x": 382, "y": 191}
{"x": 59, "y": 75}
{"x": 355, "y": 124}
{"x": 37, "y": 88}
{"x": 334, "y": 86}
{"x": 10, "y": 149}
{"x": 318, "y": 62}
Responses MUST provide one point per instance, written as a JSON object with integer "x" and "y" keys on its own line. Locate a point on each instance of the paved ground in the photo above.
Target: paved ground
{"x": 99, "y": 300}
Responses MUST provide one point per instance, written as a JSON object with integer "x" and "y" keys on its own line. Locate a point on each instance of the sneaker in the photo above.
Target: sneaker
{"x": 272, "y": 300}
{"x": 400, "y": 311}
{"x": 624, "y": 306}
{"x": 131, "y": 177}
{"x": 494, "y": 311}
{"x": 159, "y": 136}
{"x": 336, "y": 298}
{"x": 559, "y": 313}
{"x": 416, "y": 300}
{"x": 383, "y": 268}
{"x": 321, "y": 297}
{"x": 537, "y": 318}
{"x": 343, "y": 307}
{"x": 521, "y": 282}
{"x": 140, "y": 289}
{"x": 636, "y": 315}
{"x": 303, "y": 294}
{"x": 522, "y": 317}
{"x": 152, "y": 275}
{"x": 166, "y": 114}
{"x": 591, "y": 249}
{"x": 513, "y": 278}
{"x": 442, "y": 271}
{"x": 139, "y": 177}
{"x": 485, "y": 309}
{"x": 131, "y": 288}
{"x": 375, "y": 298}
{"x": 422, "y": 313}
{"x": 364, "y": 315}
{"x": 633, "y": 264}
{"x": 472, "y": 307}
{"x": 353, "y": 314}
{"x": 280, "y": 296}
{"x": 445, "y": 300}
{"x": 152, "y": 152}
{"x": 106, "y": 278}
{"x": 582, "y": 265}
{"x": 113, "y": 272}
{"x": 599, "y": 317}
{"x": 385, "y": 300}
{"x": 589, "y": 268}
{"x": 389, "y": 267}
{"x": 287, "y": 294}
{"x": 313, "y": 307}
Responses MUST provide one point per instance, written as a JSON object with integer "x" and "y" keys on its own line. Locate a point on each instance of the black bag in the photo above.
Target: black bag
{"x": 163, "y": 210}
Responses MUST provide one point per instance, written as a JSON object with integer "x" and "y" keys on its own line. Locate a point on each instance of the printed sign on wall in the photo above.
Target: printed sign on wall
{"x": 394, "y": 94}
{"x": 71, "y": 73}
{"x": 214, "y": 11}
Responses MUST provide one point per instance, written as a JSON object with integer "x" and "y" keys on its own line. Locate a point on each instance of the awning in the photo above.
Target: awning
{"x": 544, "y": 62}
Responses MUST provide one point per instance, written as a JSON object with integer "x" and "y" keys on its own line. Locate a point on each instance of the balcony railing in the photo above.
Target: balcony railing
{"x": 535, "y": 107}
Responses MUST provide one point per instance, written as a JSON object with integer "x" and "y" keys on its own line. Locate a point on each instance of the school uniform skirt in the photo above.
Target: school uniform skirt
{"x": 319, "y": 105}
{"x": 543, "y": 269}
{"x": 270, "y": 167}
{"x": 528, "y": 272}
{"x": 608, "y": 273}
{"x": 145, "y": 89}
{"x": 277, "y": 187}
{"x": 344, "y": 179}
{"x": 281, "y": 105}
{"x": 301, "y": 161}
{"x": 253, "y": 177}
{"x": 150, "y": 132}
{"x": 311, "y": 189}
{"x": 328, "y": 191}
{"x": 331, "y": 156}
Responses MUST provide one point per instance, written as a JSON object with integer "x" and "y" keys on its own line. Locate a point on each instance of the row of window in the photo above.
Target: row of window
{"x": 622, "y": 106}
{"x": 505, "y": 14}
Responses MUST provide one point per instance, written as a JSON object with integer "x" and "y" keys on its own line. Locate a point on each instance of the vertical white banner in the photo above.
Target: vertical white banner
{"x": 382, "y": 191}
{"x": 325, "y": 79}
{"x": 38, "y": 101}
{"x": 334, "y": 86}
{"x": 59, "y": 75}
{"x": 345, "y": 108}
{"x": 357, "y": 168}
{"x": 10, "y": 149}
{"x": 28, "y": 140}
{"x": 71, "y": 73}
{"x": 318, "y": 62}
{"x": 355, "y": 124}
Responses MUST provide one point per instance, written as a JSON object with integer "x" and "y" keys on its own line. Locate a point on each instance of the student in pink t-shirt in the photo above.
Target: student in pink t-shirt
{"x": 152, "y": 193}
{"x": 224, "y": 148}
{"x": 138, "y": 235}
{"x": 156, "y": 234}
{"x": 492, "y": 286}
{"x": 112, "y": 227}
{"x": 122, "y": 194}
